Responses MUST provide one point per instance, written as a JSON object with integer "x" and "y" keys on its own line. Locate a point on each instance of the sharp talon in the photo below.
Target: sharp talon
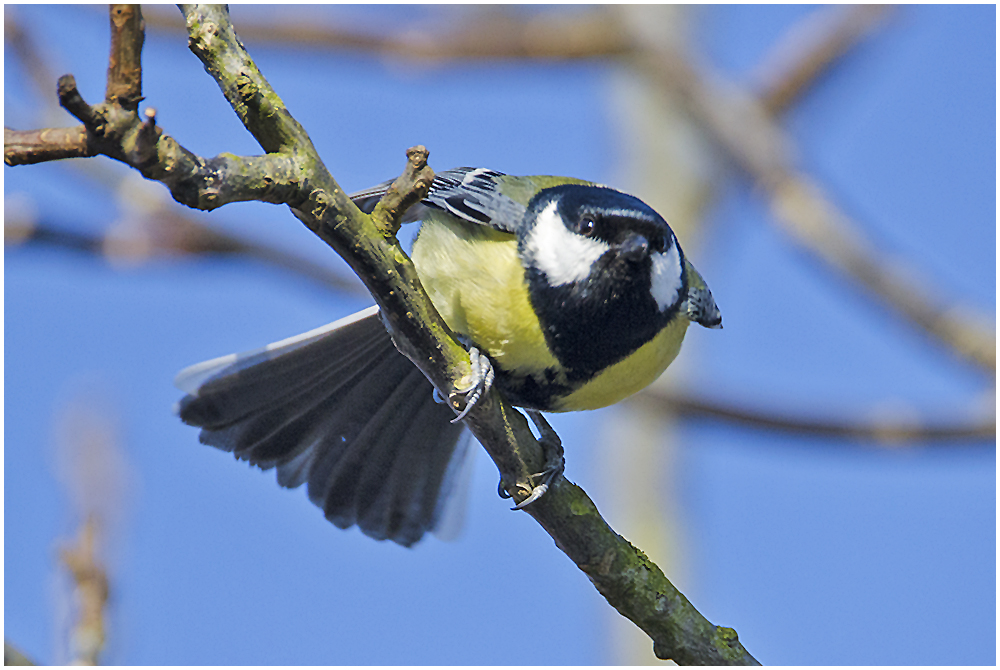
{"x": 537, "y": 493}
{"x": 461, "y": 415}
{"x": 482, "y": 381}
{"x": 502, "y": 490}
{"x": 550, "y": 475}
{"x": 438, "y": 398}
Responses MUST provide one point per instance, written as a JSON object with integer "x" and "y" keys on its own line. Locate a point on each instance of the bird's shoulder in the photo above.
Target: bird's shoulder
{"x": 479, "y": 196}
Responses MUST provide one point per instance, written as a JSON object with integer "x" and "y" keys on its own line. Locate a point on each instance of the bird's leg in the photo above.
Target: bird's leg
{"x": 552, "y": 452}
{"x": 552, "y": 449}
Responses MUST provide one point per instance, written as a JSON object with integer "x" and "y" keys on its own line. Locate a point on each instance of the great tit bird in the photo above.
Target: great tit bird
{"x": 578, "y": 294}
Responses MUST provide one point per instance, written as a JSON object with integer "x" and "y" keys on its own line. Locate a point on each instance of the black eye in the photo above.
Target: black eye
{"x": 588, "y": 225}
{"x": 658, "y": 243}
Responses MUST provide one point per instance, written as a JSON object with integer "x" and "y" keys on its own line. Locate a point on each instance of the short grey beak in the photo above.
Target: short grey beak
{"x": 635, "y": 247}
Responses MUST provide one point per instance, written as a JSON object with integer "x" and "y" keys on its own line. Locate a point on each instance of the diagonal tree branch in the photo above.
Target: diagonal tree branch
{"x": 660, "y": 610}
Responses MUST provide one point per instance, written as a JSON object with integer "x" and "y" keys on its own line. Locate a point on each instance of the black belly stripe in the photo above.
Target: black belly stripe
{"x": 530, "y": 391}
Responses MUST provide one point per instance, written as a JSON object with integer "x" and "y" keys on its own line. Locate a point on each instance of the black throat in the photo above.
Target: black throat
{"x": 592, "y": 324}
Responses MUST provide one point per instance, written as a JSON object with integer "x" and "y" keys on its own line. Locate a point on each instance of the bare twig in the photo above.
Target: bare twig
{"x": 128, "y": 32}
{"x": 24, "y": 147}
{"x": 406, "y": 191}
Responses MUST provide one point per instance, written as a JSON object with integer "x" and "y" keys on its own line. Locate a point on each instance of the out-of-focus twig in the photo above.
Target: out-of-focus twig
{"x": 499, "y": 35}
{"x": 91, "y": 588}
{"x": 26, "y": 50}
{"x": 170, "y": 234}
{"x": 93, "y": 469}
{"x": 810, "y": 47}
{"x": 885, "y": 432}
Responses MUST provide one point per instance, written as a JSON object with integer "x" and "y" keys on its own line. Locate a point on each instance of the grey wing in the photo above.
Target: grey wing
{"x": 340, "y": 410}
{"x": 471, "y": 194}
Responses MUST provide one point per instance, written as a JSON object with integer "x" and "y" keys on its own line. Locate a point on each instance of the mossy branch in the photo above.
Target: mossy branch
{"x": 292, "y": 173}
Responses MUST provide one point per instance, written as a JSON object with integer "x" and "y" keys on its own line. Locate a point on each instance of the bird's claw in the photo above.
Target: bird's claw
{"x": 482, "y": 380}
{"x": 536, "y": 493}
{"x": 539, "y": 490}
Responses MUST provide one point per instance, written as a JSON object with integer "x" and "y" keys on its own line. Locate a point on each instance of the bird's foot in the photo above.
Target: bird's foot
{"x": 482, "y": 380}
{"x": 552, "y": 451}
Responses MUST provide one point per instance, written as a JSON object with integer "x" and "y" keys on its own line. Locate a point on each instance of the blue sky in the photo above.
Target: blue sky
{"x": 816, "y": 550}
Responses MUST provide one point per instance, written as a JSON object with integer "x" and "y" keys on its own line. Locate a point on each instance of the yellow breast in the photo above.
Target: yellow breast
{"x": 475, "y": 279}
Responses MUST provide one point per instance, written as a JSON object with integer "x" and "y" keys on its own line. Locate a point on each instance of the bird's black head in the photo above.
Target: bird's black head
{"x": 604, "y": 271}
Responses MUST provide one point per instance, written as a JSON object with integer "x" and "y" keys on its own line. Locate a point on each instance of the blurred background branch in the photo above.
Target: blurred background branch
{"x": 98, "y": 481}
{"x": 13, "y": 656}
{"x": 91, "y": 594}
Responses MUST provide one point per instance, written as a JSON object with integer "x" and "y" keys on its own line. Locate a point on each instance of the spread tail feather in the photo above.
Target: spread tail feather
{"x": 340, "y": 410}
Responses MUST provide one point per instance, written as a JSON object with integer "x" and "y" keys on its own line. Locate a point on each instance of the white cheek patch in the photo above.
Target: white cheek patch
{"x": 563, "y": 256}
{"x": 666, "y": 277}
